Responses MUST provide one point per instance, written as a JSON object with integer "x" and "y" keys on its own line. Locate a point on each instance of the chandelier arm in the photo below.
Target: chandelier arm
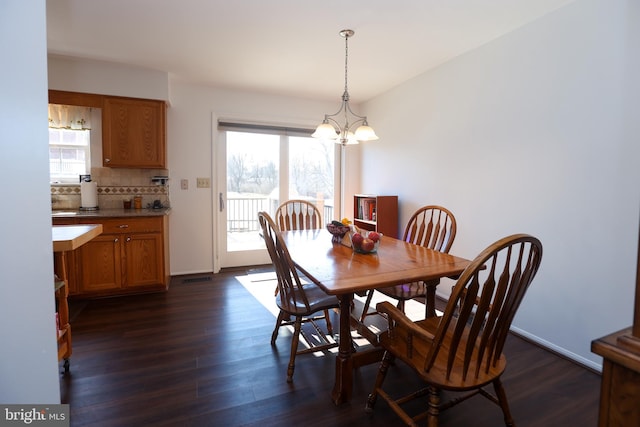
{"x": 348, "y": 107}
{"x": 340, "y": 110}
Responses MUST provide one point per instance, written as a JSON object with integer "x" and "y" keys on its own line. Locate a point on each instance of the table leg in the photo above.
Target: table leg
{"x": 344, "y": 362}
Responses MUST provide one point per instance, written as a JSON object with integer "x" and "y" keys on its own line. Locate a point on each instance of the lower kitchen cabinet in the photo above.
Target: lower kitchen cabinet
{"x": 131, "y": 255}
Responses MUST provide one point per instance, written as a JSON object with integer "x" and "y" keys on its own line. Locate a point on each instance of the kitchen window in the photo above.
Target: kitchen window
{"x": 69, "y": 143}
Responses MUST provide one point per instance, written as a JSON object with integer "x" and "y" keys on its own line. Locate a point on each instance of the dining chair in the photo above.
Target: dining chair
{"x": 461, "y": 351}
{"x": 433, "y": 227}
{"x": 298, "y": 215}
{"x": 298, "y": 302}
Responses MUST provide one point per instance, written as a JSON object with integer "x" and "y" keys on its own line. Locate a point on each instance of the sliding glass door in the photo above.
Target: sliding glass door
{"x": 262, "y": 169}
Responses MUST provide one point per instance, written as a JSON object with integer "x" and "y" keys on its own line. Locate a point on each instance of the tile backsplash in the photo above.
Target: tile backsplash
{"x": 114, "y": 186}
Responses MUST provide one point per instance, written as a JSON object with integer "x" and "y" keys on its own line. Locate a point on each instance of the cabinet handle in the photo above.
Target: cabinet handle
{"x": 116, "y": 240}
{"x": 107, "y": 160}
{"x": 123, "y": 226}
{"x": 128, "y": 239}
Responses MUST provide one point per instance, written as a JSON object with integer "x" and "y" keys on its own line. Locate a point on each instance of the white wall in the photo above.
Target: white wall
{"x": 106, "y": 78}
{"x": 29, "y": 368}
{"x": 192, "y": 135}
{"x": 532, "y": 133}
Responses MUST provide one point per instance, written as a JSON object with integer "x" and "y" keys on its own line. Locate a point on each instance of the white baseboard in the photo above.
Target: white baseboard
{"x": 562, "y": 351}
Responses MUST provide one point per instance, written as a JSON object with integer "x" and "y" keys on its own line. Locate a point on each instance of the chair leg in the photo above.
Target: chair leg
{"x": 274, "y": 334}
{"x": 328, "y": 320}
{"x": 367, "y": 303}
{"x": 387, "y": 360}
{"x": 434, "y": 407}
{"x": 430, "y": 299}
{"x": 294, "y": 348}
{"x": 504, "y": 404}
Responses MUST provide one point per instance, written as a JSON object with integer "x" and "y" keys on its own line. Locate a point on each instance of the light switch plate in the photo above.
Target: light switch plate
{"x": 203, "y": 183}
{"x": 184, "y": 184}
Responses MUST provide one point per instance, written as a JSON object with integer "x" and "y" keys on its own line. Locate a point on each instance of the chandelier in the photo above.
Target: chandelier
{"x": 343, "y": 133}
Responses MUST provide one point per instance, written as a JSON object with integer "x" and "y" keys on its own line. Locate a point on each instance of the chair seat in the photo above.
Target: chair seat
{"x": 437, "y": 376}
{"x": 318, "y": 301}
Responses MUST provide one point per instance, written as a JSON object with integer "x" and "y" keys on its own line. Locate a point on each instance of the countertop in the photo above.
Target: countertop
{"x": 70, "y": 237}
{"x": 109, "y": 213}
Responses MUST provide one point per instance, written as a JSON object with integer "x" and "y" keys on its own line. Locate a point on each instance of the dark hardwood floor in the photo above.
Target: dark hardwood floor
{"x": 199, "y": 355}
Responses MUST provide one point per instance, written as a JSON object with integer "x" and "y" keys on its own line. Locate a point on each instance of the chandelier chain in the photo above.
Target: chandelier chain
{"x": 346, "y": 58}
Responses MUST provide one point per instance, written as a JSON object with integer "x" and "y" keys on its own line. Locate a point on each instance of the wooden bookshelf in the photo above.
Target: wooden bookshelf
{"x": 376, "y": 213}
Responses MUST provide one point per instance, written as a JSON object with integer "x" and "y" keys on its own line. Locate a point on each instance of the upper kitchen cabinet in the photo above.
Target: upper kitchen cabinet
{"x": 133, "y": 133}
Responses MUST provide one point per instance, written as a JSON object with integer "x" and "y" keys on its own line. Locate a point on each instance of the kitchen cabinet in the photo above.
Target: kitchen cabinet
{"x": 376, "y": 213}
{"x": 133, "y": 129}
{"x": 133, "y": 133}
{"x": 130, "y": 256}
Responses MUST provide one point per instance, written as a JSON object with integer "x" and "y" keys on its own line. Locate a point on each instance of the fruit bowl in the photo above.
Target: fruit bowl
{"x": 365, "y": 242}
{"x": 337, "y": 231}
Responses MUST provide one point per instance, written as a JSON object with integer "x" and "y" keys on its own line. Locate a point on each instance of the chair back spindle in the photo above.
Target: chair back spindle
{"x": 433, "y": 227}
{"x": 298, "y": 215}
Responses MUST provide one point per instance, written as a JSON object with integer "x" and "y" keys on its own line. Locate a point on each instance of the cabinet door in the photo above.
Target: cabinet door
{"x": 144, "y": 260}
{"x": 99, "y": 264}
{"x": 133, "y": 133}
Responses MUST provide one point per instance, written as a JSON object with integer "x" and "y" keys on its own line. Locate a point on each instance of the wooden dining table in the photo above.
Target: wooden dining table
{"x": 339, "y": 271}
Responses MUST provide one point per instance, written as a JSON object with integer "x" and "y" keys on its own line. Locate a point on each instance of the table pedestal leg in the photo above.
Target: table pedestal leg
{"x": 344, "y": 363}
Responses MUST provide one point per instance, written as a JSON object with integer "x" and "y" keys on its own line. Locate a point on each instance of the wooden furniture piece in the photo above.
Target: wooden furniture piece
{"x": 298, "y": 215}
{"x": 133, "y": 129}
{"x": 376, "y": 213}
{"x": 433, "y": 227}
{"x": 295, "y": 299}
{"x": 620, "y": 387}
{"x": 131, "y": 256}
{"x": 67, "y": 239}
{"x": 461, "y": 351}
{"x": 339, "y": 271}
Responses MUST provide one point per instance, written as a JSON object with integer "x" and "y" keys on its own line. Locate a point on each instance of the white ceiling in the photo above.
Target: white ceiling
{"x": 289, "y": 47}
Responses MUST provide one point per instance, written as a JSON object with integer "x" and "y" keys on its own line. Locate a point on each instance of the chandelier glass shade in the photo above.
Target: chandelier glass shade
{"x": 345, "y": 126}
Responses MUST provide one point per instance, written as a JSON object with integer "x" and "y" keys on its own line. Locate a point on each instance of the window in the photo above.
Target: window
{"x": 69, "y": 142}
{"x": 69, "y": 154}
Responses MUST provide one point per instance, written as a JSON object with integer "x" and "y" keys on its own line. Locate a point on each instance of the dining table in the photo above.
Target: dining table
{"x": 340, "y": 271}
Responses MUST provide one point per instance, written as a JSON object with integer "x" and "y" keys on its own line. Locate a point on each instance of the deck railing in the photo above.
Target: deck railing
{"x": 242, "y": 213}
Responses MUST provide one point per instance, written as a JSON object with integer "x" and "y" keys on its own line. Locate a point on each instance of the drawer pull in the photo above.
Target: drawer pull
{"x": 123, "y": 226}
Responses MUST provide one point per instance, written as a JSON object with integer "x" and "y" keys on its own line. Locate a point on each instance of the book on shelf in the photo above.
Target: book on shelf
{"x": 366, "y": 208}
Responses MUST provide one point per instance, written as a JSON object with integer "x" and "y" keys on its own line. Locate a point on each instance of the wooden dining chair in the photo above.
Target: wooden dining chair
{"x": 462, "y": 350}
{"x": 433, "y": 227}
{"x": 298, "y": 215}
{"x": 298, "y": 302}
